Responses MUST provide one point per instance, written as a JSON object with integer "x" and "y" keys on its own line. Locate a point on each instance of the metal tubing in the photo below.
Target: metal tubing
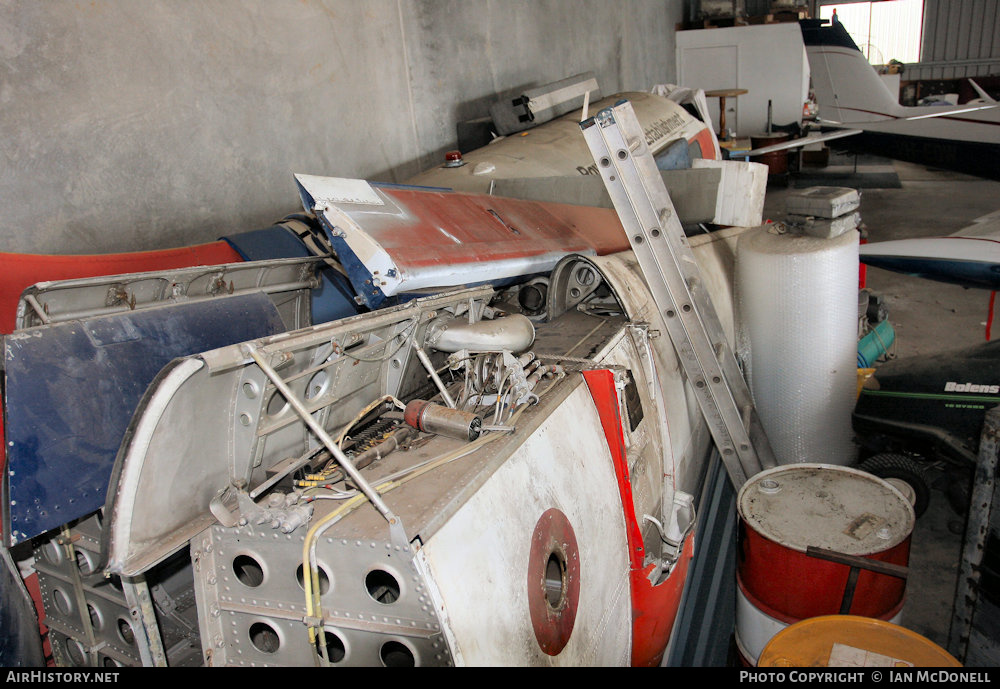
{"x": 323, "y": 436}
{"x": 39, "y": 309}
{"x": 985, "y": 499}
{"x": 514, "y": 332}
{"x": 425, "y": 360}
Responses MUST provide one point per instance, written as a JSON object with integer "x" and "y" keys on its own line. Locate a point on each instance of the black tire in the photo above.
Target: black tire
{"x": 959, "y": 491}
{"x": 904, "y": 468}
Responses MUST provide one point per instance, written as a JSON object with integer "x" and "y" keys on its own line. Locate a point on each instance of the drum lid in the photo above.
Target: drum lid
{"x": 851, "y": 641}
{"x": 825, "y": 506}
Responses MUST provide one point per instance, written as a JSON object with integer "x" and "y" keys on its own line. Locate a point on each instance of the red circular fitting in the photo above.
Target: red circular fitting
{"x": 553, "y": 581}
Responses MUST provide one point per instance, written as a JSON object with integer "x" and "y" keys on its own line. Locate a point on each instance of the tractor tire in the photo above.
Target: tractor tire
{"x": 903, "y": 468}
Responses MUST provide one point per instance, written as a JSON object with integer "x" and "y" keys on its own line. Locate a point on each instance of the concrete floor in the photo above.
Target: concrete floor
{"x": 927, "y": 317}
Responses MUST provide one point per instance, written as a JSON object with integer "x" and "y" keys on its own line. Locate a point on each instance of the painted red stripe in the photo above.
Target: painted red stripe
{"x": 602, "y": 389}
{"x": 654, "y": 608}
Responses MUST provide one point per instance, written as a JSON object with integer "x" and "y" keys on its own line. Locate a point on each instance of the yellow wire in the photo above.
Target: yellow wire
{"x": 311, "y": 582}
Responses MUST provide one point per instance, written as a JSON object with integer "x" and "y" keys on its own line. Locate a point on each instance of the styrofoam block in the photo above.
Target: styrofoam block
{"x": 740, "y": 201}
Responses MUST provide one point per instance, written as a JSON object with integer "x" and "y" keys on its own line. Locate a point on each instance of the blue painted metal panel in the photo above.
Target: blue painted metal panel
{"x": 332, "y": 300}
{"x": 984, "y": 274}
{"x": 71, "y": 389}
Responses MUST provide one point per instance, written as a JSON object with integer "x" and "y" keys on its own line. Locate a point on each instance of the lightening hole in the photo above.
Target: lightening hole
{"x": 264, "y": 638}
{"x": 396, "y": 654}
{"x": 382, "y": 586}
{"x": 248, "y": 571}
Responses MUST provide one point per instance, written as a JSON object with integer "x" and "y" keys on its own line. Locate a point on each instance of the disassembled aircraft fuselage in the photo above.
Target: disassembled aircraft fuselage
{"x": 504, "y": 474}
{"x": 546, "y": 518}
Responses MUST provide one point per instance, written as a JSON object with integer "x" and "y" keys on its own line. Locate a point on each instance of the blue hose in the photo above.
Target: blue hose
{"x": 875, "y": 344}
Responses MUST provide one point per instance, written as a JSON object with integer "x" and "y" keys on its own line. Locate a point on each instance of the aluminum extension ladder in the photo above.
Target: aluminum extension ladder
{"x": 640, "y": 197}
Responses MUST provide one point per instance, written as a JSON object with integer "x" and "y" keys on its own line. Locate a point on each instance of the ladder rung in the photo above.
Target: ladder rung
{"x": 674, "y": 278}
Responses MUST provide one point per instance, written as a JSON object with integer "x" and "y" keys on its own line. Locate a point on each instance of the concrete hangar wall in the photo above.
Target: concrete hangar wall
{"x": 131, "y": 125}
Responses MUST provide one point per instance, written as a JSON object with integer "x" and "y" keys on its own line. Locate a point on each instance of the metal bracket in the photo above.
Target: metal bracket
{"x": 147, "y": 632}
{"x": 985, "y": 499}
{"x": 856, "y": 564}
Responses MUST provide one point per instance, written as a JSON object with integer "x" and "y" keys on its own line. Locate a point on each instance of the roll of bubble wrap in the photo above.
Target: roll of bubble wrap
{"x": 797, "y": 301}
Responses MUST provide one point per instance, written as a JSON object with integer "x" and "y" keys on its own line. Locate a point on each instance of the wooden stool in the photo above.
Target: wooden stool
{"x": 722, "y": 95}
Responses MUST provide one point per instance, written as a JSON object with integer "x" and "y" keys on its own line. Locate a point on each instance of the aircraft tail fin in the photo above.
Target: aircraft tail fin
{"x": 985, "y": 97}
{"x": 847, "y": 89}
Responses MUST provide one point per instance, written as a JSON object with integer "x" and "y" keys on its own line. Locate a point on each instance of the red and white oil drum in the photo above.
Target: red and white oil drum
{"x": 789, "y": 508}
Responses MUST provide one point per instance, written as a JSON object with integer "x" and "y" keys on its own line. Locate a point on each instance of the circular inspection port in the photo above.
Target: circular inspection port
{"x": 264, "y": 637}
{"x": 248, "y": 571}
{"x": 336, "y": 651}
{"x": 125, "y": 632}
{"x": 382, "y": 586}
{"x": 324, "y": 579}
{"x": 553, "y": 581}
{"x": 397, "y": 654}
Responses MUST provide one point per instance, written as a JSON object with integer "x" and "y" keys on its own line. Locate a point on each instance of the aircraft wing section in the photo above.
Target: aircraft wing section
{"x": 804, "y": 141}
{"x": 970, "y": 257}
{"x": 395, "y": 240}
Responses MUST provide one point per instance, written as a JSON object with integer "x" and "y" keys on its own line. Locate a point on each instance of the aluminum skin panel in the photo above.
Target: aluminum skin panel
{"x": 557, "y": 149}
{"x": 393, "y": 240}
{"x": 969, "y": 261}
{"x": 479, "y": 560}
{"x": 289, "y": 281}
{"x": 233, "y": 429}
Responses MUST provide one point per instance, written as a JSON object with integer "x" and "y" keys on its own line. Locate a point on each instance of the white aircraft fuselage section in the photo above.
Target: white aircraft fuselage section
{"x": 850, "y": 95}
